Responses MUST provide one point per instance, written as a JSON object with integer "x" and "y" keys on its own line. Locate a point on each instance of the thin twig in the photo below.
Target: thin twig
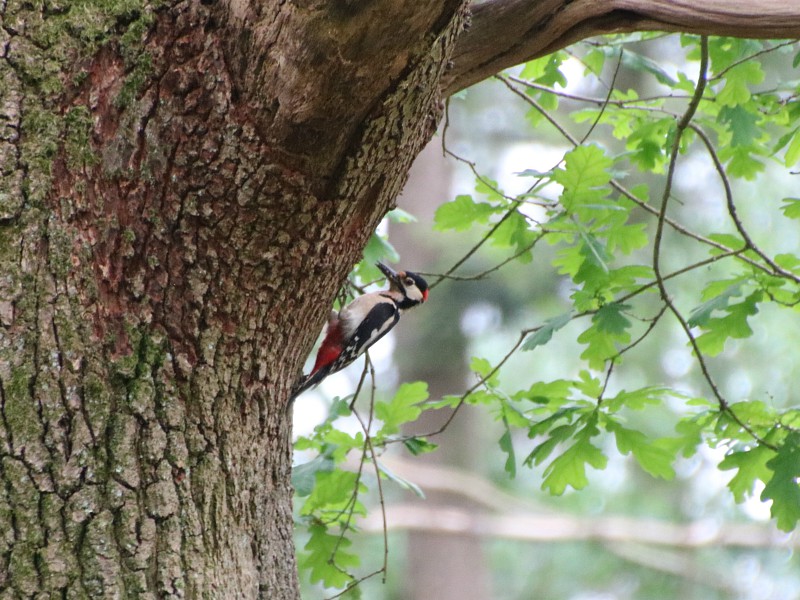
{"x": 726, "y": 184}
{"x": 367, "y": 428}
{"x": 592, "y": 100}
{"x": 750, "y": 57}
{"x": 487, "y": 272}
{"x": 613, "y": 360}
{"x": 604, "y": 105}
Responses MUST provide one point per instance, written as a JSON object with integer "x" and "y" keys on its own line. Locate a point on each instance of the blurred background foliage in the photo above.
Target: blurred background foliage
{"x": 675, "y": 505}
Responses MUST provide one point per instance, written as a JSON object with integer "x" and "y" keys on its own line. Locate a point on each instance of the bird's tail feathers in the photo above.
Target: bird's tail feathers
{"x": 306, "y": 382}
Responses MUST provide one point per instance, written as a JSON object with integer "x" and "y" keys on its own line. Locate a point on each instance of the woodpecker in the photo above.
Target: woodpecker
{"x": 362, "y": 323}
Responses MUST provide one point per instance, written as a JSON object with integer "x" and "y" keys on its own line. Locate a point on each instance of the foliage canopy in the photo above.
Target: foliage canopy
{"x": 623, "y": 238}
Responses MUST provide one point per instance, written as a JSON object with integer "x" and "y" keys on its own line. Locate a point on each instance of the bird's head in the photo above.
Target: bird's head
{"x": 412, "y": 286}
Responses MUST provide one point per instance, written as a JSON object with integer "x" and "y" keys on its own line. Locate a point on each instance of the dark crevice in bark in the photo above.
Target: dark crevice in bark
{"x": 7, "y": 433}
{"x": 65, "y": 422}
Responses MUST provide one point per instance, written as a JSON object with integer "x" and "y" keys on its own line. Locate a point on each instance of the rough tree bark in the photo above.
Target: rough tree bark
{"x": 184, "y": 186}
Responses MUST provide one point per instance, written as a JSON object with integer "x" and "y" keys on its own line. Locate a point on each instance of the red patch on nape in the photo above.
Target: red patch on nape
{"x": 424, "y": 295}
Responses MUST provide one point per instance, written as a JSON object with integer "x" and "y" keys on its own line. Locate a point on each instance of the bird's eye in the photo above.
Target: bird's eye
{"x": 409, "y": 281}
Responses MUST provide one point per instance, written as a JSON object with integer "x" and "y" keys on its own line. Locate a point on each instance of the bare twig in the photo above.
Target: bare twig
{"x": 681, "y": 127}
{"x": 749, "y": 57}
{"x": 608, "y": 97}
{"x": 726, "y": 184}
{"x": 613, "y": 360}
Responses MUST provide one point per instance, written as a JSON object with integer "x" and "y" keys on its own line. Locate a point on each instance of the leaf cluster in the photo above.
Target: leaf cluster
{"x": 625, "y": 242}
{"x": 333, "y": 482}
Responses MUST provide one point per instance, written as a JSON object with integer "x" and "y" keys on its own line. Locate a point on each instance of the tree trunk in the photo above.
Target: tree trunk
{"x": 183, "y": 191}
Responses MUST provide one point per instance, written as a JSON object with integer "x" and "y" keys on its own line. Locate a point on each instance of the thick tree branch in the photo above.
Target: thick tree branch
{"x": 507, "y": 32}
{"x": 309, "y": 71}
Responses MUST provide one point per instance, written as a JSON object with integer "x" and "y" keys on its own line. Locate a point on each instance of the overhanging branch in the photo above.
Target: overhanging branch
{"x": 507, "y": 32}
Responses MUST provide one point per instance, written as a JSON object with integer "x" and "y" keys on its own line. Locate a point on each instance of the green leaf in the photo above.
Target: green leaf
{"x": 326, "y": 559}
{"x": 487, "y": 397}
{"x": 742, "y": 123}
{"x": 339, "y": 443}
{"x": 727, "y": 239}
{"x": 401, "y": 481}
{"x": 569, "y": 469}
{"x": 398, "y": 215}
{"x": 595, "y": 253}
{"x": 514, "y": 232}
{"x": 791, "y": 208}
{"x": 788, "y": 261}
{"x": 419, "y": 445}
{"x": 545, "y": 332}
{"x": 738, "y": 80}
{"x": 594, "y": 61}
{"x": 545, "y": 392}
{"x": 402, "y": 408}
{"x": 566, "y": 413}
{"x": 304, "y": 477}
{"x": 507, "y": 446}
{"x": 654, "y": 456}
{"x": 691, "y": 431}
{"x": 609, "y": 326}
{"x": 379, "y": 249}
{"x": 489, "y": 188}
{"x": 702, "y": 314}
{"x": 611, "y": 320}
{"x": 643, "y": 64}
{"x": 462, "y": 213}
{"x": 628, "y": 237}
{"x": 783, "y": 488}
{"x": 332, "y": 491}
{"x": 481, "y": 366}
{"x": 734, "y": 325}
{"x": 637, "y": 399}
{"x": 447, "y": 401}
{"x": 589, "y": 386}
{"x": 585, "y": 177}
{"x": 756, "y": 413}
{"x": 543, "y": 450}
{"x": 546, "y": 70}
{"x": 742, "y": 163}
{"x": 534, "y": 173}
{"x": 647, "y": 143}
{"x": 751, "y": 466}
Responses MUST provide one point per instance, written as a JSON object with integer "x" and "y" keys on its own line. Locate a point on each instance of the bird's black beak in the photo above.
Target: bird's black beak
{"x": 390, "y": 273}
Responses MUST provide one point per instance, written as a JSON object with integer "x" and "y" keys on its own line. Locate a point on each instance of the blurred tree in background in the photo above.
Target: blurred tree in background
{"x": 611, "y": 234}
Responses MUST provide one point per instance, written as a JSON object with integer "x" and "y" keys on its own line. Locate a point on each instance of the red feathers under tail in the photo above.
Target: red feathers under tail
{"x": 328, "y": 352}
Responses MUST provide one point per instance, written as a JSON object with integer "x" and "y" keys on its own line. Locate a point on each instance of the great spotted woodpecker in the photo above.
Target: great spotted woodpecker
{"x": 362, "y": 323}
